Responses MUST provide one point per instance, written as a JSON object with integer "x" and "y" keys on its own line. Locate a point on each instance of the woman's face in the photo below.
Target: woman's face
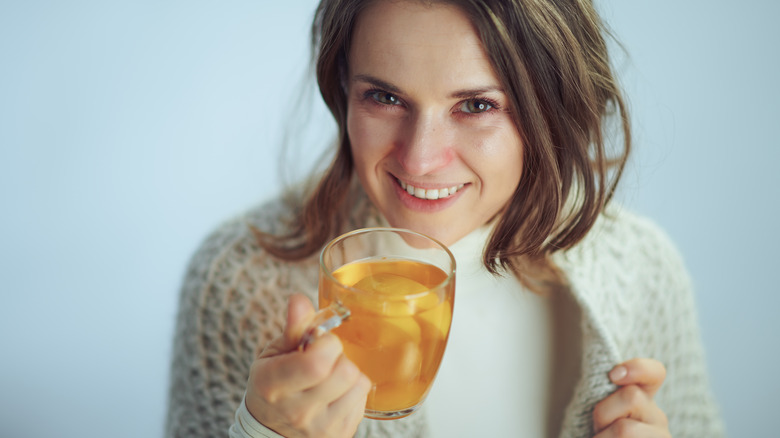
{"x": 433, "y": 141}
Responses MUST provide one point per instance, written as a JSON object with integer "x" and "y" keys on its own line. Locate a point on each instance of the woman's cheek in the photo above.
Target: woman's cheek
{"x": 368, "y": 132}
{"x": 493, "y": 142}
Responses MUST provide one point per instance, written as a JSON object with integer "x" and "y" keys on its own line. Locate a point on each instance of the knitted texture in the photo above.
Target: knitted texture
{"x": 627, "y": 278}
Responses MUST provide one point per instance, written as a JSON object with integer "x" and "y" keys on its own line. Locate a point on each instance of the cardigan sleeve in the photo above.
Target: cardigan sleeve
{"x": 231, "y": 304}
{"x": 246, "y": 426}
{"x": 686, "y": 396}
{"x": 640, "y": 302}
{"x": 664, "y": 325}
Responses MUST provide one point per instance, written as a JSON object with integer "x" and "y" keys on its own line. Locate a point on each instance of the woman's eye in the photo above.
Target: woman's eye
{"x": 475, "y": 106}
{"x": 385, "y": 98}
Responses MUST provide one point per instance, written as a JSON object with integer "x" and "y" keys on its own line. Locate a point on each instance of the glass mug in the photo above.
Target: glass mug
{"x": 388, "y": 295}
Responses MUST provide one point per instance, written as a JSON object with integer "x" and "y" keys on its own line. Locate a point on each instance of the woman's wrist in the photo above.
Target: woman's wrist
{"x": 247, "y": 426}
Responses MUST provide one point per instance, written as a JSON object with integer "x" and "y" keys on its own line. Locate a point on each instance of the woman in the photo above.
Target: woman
{"x": 480, "y": 123}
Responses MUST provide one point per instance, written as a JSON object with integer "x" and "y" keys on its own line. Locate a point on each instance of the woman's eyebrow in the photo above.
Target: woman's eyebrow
{"x": 460, "y": 94}
{"x": 377, "y": 83}
{"x": 468, "y": 93}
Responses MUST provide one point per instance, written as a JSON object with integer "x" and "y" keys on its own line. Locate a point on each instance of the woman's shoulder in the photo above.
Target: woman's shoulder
{"x": 627, "y": 264}
{"x": 624, "y": 240}
{"x": 232, "y": 302}
{"x": 234, "y": 234}
{"x": 275, "y": 216}
{"x": 231, "y": 257}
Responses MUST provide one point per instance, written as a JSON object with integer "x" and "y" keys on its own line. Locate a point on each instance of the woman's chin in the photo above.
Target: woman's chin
{"x": 445, "y": 234}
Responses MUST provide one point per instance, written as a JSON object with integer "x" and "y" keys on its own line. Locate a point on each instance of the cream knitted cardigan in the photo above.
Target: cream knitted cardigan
{"x": 628, "y": 279}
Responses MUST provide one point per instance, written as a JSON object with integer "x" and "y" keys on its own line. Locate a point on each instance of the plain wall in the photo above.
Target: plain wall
{"x": 128, "y": 130}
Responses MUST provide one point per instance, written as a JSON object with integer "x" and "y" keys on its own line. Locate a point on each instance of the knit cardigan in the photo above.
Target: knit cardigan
{"x": 629, "y": 281}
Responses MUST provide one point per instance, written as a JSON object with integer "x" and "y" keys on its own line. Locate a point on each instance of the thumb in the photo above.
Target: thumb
{"x": 649, "y": 374}
{"x": 300, "y": 313}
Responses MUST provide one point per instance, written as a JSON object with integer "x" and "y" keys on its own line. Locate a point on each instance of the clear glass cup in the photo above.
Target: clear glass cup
{"x": 388, "y": 294}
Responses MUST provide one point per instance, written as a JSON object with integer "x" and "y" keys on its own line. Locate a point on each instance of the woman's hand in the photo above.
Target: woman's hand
{"x": 630, "y": 411}
{"x": 316, "y": 392}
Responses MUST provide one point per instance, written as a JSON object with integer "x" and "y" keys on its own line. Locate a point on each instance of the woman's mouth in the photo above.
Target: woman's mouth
{"x": 429, "y": 194}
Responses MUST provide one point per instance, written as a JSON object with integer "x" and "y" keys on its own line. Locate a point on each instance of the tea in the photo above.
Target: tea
{"x": 398, "y": 328}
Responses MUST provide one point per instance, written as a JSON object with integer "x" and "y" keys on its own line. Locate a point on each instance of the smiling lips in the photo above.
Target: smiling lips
{"x": 430, "y": 194}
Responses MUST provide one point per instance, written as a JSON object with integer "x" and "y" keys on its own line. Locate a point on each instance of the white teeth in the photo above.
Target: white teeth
{"x": 431, "y": 194}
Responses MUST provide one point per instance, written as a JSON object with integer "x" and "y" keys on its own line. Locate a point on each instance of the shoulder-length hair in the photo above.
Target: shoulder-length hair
{"x": 551, "y": 58}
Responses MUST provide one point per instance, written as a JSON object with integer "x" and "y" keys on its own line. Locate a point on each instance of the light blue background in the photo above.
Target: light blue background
{"x": 128, "y": 130}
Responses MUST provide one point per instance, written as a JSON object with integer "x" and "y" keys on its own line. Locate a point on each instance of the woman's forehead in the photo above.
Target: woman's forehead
{"x": 416, "y": 43}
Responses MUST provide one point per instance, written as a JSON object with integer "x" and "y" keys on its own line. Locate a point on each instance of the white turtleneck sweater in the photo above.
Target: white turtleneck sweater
{"x": 497, "y": 364}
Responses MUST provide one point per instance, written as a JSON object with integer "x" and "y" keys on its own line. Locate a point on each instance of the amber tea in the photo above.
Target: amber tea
{"x": 398, "y": 342}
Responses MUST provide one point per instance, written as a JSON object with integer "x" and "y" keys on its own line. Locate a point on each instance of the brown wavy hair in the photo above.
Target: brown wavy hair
{"x": 551, "y": 58}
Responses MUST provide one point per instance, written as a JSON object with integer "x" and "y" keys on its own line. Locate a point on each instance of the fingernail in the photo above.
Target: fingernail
{"x": 618, "y": 373}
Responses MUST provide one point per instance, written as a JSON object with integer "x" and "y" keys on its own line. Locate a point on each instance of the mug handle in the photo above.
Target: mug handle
{"x": 324, "y": 321}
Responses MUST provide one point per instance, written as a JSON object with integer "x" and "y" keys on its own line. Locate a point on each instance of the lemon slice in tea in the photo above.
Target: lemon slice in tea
{"x": 396, "y": 288}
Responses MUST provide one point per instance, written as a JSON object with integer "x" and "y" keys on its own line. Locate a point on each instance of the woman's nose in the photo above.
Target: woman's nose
{"x": 426, "y": 146}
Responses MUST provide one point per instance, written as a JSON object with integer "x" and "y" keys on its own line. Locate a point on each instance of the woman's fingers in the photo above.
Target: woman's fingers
{"x": 648, "y": 374}
{"x": 638, "y": 381}
{"x": 350, "y": 407}
{"x": 343, "y": 376}
{"x": 628, "y": 402}
{"x": 630, "y": 428}
{"x": 313, "y": 392}
{"x": 298, "y": 371}
{"x": 318, "y": 391}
